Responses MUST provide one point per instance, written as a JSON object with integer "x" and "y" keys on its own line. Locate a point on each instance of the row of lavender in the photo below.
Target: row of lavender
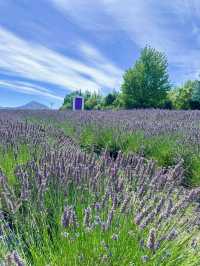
{"x": 164, "y": 213}
{"x": 151, "y": 121}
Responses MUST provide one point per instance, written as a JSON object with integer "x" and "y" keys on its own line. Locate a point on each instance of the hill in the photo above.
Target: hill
{"x": 29, "y": 106}
{"x": 33, "y": 106}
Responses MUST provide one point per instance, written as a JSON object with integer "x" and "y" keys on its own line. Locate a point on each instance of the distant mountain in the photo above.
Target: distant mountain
{"x": 33, "y": 106}
{"x": 29, "y": 106}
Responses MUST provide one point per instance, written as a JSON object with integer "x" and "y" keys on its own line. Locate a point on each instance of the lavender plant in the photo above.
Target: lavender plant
{"x": 71, "y": 207}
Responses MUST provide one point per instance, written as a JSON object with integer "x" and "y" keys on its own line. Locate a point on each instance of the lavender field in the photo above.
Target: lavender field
{"x": 100, "y": 188}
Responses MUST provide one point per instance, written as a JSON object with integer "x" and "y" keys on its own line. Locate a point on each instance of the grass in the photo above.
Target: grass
{"x": 192, "y": 168}
{"x": 165, "y": 149}
{"x": 10, "y": 158}
{"x": 160, "y": 148}
{"x": 41, "y": 239}
{"x": 66, "y": 127}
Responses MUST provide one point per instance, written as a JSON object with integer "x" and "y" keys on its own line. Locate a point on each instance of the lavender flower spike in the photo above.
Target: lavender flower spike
{"x": 151, "y": 242}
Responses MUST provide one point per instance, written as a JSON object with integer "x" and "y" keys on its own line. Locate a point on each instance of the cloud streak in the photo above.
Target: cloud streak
{"x": 28, "y": 88}
{"x": 70, "y": 44}
{"x": 161, "y": 25}
{"x": 38, "y": 63}
{"x": 172, "y": 27}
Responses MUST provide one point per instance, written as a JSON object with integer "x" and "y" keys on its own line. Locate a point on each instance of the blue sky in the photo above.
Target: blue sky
{"x": 50, "y": 47}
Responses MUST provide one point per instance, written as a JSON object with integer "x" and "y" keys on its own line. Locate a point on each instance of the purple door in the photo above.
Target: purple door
{"x": 78, "y": 103}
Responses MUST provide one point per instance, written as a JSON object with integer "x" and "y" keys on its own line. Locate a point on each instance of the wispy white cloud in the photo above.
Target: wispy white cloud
{"x": 97, "y": 61}
{"x": 169, "y": 26}
{"x": 143, "y": 20}
{"x": 88, "y": 14}
{"x": 28, "y": 88}
{"x": 147, "y": 22}
{"x": 36, "y": 62}
{"x": 159, "y": 24}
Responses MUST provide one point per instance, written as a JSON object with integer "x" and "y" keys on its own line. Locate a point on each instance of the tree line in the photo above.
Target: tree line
{"x": 145, "y": 85}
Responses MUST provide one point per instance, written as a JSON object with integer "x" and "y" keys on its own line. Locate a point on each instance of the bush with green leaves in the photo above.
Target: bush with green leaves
{"x": 147, "y": 82}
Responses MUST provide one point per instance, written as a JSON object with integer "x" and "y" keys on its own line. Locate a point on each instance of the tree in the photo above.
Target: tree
{"x": 195, "y": 99}
{"x": 147, "y": 82}
{"x": 93, "y": 101}
{"x": 110, "y": 99}
{"x": 186, "y": 96}
{"x": 68, "y": 100}
{"x": 172, "y": 97}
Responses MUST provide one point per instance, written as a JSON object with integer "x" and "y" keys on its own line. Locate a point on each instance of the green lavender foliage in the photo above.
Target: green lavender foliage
{"x": 40, "y": 238}
{"x": 10, "y": 158}
{"x": 36, "y": 232}
{"x": 165, "y": 149}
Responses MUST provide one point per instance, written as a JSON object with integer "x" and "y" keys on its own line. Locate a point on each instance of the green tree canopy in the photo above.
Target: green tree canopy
{"x": 147, "y": 82}
{"x": 110, "y": 99}
{"x": 186, "y": 96}
{"x": 195, "y": 99}
{"x": 68, "y": 100}
{"x": 92, "y": 100}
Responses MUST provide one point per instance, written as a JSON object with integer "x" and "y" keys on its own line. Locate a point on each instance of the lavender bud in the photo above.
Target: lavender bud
{"x": 73, "y": 219}
{"x": 15, "y": 259}
{"x": 145, "y": 258}
{"x": 103, "y": 226}
{"x": 125, "y": 205}
{"x": 115, "y": 237}
{"x": 172, "y": 235}
{"x": 110, "y": 218}
{"x": 160, "y": 205}
{"x": 194, "y": 243}
{"x": 97, "y": 206}
{"x": 151, "y": 242}
{"x": 97, "y": 220}
{"x": 86, "y": 220}
{"x": 148, "y": 220}
{"x": 65, "y": 220}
